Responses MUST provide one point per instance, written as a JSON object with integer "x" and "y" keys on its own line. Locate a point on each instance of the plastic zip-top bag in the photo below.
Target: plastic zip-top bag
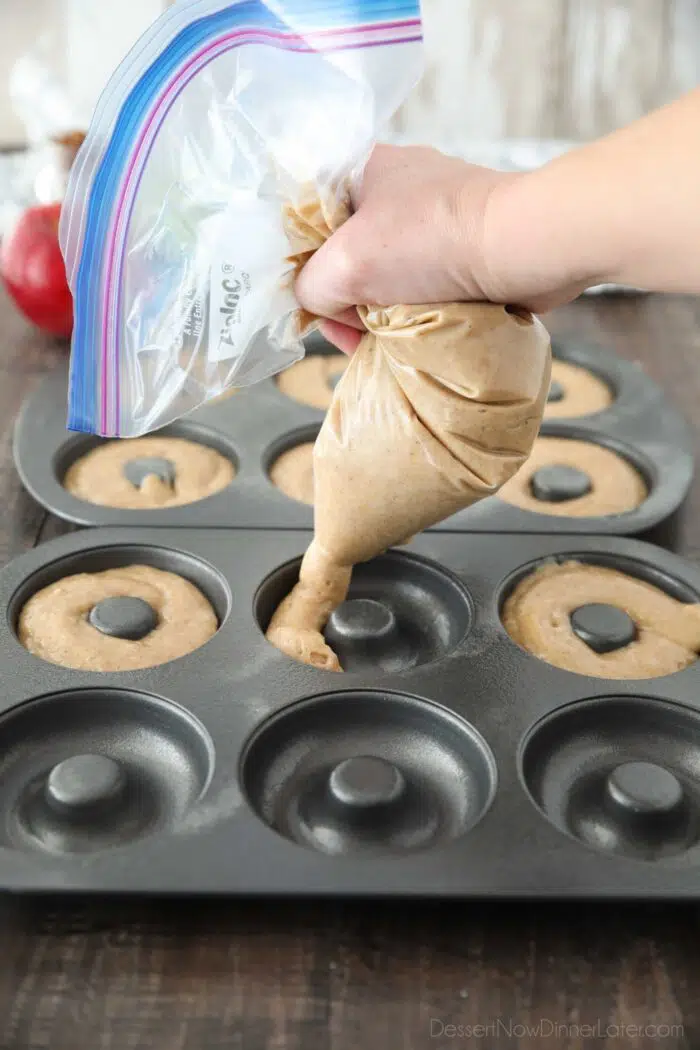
{"x": 226, "y": 138}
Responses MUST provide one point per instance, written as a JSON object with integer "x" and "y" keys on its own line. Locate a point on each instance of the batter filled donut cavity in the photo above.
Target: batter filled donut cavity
{"x": 149, "y": 472}
{"x": 599, "y": 621}
{"x": 570, "y": 477}
{"x": 119, "y": 619}
{"x": 312, "y": 380}
{"x": 575, "y": 391}
{"x": 292, "y": 472}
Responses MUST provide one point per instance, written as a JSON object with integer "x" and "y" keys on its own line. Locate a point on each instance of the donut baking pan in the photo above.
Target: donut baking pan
{"x": 446, "y": 761}
{"x": 257, "y": 426}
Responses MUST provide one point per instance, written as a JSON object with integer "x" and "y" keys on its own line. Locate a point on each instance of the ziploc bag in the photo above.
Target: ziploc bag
{"x": 222, "y": 121}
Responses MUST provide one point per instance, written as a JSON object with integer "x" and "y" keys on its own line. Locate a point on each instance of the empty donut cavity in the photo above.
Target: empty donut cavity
{"x": 368, "y": 772}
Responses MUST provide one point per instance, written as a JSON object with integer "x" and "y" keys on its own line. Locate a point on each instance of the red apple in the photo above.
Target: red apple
{"x": 32, "y": 268}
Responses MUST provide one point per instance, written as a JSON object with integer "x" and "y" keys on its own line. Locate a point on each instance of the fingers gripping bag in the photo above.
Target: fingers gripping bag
{"x": 224, "y": 145}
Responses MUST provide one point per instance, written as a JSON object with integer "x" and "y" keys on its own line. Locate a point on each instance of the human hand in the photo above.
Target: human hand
{"x": 426, "y": 228}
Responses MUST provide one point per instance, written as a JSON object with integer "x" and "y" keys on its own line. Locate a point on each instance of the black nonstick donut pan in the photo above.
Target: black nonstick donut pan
{"x": 444, "y": 762}
{"x": 254, "y": 426}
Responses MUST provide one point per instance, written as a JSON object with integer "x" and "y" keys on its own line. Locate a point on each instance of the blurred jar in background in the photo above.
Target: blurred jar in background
{"x": 55, "y": 59}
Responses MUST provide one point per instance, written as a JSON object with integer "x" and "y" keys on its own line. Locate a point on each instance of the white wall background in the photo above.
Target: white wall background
{"x": 570, "y": 69}
{"x": 495, "y": 68}
{"x": 80, "y": 42}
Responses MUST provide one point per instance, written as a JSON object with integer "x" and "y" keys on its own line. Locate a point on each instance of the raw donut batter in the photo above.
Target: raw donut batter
{"x": 54, "y": 623}
{"x": 437, "y": 408}
{"x": 536, "y": 616}
{"x": 296, "y": 627}
{"x": 309, "y": 381}
{"x": 616, "y": 486}
{"x": 583, "y": 393}
{"x": 293, "y": 472}
{"x": 98, "y": 477}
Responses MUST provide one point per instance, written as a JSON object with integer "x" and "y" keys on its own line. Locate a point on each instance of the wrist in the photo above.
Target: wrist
{"x": 540, "y": 247}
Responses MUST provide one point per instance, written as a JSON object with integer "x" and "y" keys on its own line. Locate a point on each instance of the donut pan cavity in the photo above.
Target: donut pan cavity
{"x": 254, "y": 427}
{"x": 444, "y": 762}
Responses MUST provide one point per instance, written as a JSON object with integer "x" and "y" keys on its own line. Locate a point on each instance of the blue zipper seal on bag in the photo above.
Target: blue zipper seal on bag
{"x": 94, "y": 395}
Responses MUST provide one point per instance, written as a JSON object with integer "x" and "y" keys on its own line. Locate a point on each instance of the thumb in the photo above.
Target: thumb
{"x": 331, "y": 281}
{"x": 344, "y": 337}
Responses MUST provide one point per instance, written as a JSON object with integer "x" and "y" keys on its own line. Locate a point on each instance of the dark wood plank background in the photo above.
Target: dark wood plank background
{"x": 96, "y": 974}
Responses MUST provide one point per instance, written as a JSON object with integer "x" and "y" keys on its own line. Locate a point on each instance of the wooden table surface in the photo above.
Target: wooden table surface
{"x": 129, "y": 975}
